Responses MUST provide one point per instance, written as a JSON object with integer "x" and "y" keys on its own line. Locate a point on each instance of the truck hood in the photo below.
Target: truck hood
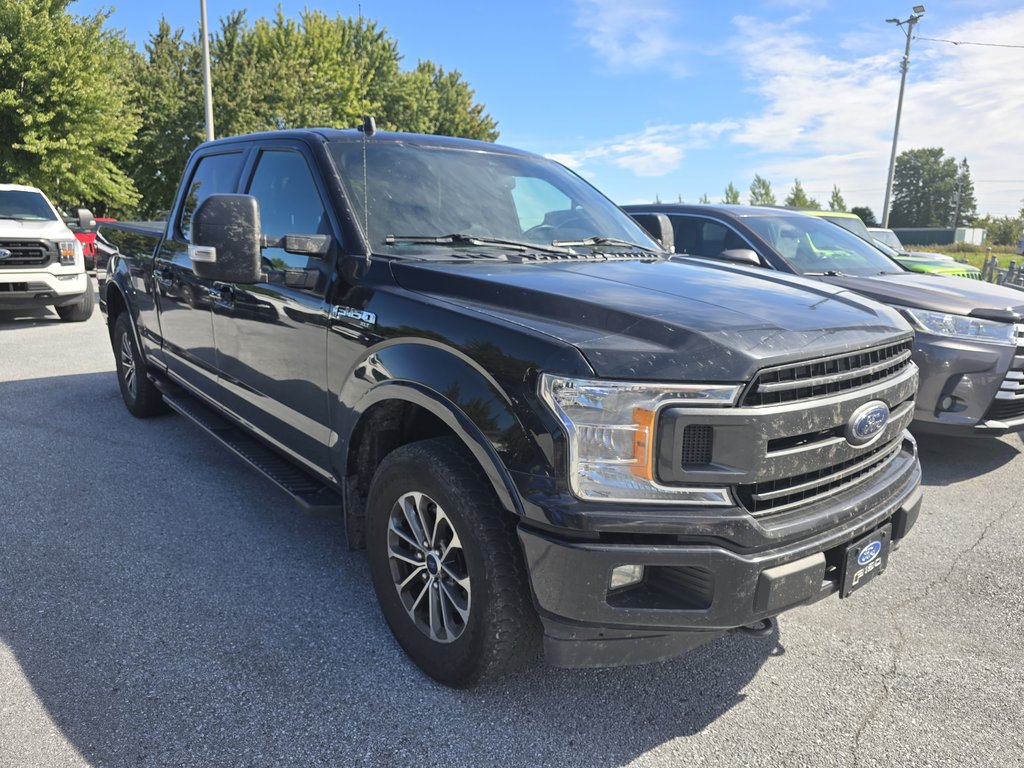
{"x": 664, "y": 320}
{"x": 44, "y": 230}
{"x": 954, "y": 295}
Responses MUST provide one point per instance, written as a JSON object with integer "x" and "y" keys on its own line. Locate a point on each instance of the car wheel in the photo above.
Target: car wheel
{"x": 447, "y": 567}
{"x": 80, "y": 311}
{"x": 140, "y": 395}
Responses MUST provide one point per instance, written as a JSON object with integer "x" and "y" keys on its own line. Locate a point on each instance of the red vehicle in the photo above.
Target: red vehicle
{"x": 88, "y": 241}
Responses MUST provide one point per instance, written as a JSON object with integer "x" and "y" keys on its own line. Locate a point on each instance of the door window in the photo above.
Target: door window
{"x": 290, "y": 204}
{"x": 214, "y": 174}
{"x": 700, "y": 237}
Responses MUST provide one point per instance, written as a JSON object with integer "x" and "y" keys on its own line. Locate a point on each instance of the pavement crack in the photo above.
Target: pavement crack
{"x": 887, "y": 677}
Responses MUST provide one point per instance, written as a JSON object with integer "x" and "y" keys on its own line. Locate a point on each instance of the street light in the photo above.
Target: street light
{"x": 918, "y": 12}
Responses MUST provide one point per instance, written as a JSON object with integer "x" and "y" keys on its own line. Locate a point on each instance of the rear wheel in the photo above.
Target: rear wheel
{"x": 81, "y": 310}
{"x": 447, "y": 567}
{"x": 140, "y": 395}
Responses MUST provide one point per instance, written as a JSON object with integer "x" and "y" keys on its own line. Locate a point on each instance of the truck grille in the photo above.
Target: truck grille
{"x": 827, "y": 376}
{"x": 25, "y": 253}
{"x": 1009, "y": 401}
{"x": 776, "y": 496}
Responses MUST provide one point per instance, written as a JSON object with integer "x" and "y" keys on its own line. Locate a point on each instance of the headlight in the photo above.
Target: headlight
{"x": 961, "y": 326}
{"x": 69, "y": 249}
{"x": 610, "y": 429}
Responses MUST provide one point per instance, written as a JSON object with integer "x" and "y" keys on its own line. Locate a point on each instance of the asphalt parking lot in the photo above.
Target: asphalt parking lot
{"x": 162, "y": 604}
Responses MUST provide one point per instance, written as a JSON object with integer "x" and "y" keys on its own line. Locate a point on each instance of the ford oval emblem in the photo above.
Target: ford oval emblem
{"x": 5, "y": 254}
{"x": 869, "y": 553}
{"x": 867, "y": 422}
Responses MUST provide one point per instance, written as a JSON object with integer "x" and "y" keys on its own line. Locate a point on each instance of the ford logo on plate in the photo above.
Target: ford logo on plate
{"x": 5, "y": 254}
{"x": 869, "y": 553}
{"x": 867, "y": 422}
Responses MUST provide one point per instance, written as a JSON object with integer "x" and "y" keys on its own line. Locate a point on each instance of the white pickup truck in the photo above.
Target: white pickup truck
{"x": 41, "y": 262}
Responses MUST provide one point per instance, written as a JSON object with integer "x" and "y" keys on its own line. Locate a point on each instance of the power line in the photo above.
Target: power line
{"x": 965, "y": 42}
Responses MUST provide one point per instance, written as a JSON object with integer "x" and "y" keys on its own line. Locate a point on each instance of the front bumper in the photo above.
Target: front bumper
{"x": 25, "y": 289}
{"x": 967, "y": 388}
{"x": 694, "y": 590}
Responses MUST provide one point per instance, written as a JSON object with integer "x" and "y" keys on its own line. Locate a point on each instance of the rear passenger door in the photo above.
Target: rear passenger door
{"x": 272, "y": 335}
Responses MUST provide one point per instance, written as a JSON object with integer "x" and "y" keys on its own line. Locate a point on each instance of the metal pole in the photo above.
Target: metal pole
{"x": 904, "y": 66}
{"x": 207, "y": 87}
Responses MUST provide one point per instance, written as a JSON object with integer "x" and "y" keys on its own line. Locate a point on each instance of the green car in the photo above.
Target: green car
{"x": 933, "y": 264}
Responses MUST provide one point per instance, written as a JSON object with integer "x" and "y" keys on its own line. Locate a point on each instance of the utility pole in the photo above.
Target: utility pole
{"x": 207, "y": 86}
{"x": 904, "y": 66}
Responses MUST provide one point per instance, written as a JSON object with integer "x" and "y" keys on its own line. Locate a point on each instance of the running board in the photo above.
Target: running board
{"x": 308, "y": 492}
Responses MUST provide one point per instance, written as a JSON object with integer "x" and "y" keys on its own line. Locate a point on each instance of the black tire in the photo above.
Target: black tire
{"x": 82, "y": 310}
{"x": 500, "y": 631}
{"x": 140, "y": 395}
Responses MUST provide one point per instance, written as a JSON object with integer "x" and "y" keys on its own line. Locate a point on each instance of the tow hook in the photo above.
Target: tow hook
{"x": 760, "y": 628}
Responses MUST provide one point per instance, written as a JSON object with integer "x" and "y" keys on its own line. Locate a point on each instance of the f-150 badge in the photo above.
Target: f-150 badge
{"x": 361, "y": 318}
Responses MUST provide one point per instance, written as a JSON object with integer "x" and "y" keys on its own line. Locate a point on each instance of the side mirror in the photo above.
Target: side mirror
{"x": 741, "y": 256}
{"x": 86, "y": 221}
{"x": 226, "y": 239}
{"x": 659, "y": 227}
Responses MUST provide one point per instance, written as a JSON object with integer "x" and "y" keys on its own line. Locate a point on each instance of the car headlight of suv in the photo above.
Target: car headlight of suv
{"x": 610, "y": 429}
{"x": 961, "y": 326}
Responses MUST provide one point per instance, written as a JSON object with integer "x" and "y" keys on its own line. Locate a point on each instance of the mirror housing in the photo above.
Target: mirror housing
{"x": 657, "y": 226}
{"x": 744, "y": 256}
{"x": 86, "y": 221}
{"x": 226, "y": 239}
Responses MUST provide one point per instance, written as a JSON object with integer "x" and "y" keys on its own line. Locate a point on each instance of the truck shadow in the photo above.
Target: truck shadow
{"x": 945, "y": 461}
{"x": 166, "y": 605}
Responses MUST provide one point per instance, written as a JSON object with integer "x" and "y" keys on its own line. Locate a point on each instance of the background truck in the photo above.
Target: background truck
{"x": 536, "y": 422}
{"x": 41, "y": 262}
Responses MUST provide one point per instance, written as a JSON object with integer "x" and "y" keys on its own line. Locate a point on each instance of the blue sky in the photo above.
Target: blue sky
{"x": 653, "y": 97}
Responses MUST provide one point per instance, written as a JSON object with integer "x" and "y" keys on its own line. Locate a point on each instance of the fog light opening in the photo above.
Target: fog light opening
{"x": 625, "y": 576}
{"x": 947, "y": 402}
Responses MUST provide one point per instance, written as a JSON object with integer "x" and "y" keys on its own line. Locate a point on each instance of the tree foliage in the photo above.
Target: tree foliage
{"x": 797, "y": 198}
{"x": 836, "y": 201}
{"x": 704, "y": 199}
{"x": 866, "y": 215}
{"x": 965, "y": 206}
{"x": 925, "y": 185}
{"x": 761, "y": 191}
{"x": 732, "y": 195}
{"x": 66, "y": 122}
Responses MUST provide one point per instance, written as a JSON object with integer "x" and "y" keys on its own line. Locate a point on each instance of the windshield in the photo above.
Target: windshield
{"x": 888, "y": 237}
{"x": 812, "y": 245}
{"x": 418, "y": 192}
{"x": 25, "y": 205}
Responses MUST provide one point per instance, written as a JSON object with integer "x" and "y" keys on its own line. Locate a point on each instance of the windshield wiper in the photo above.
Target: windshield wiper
{"x": 601, "y": 240}
{"x": 829, "y": 273}
{"x": 463, "y": 239}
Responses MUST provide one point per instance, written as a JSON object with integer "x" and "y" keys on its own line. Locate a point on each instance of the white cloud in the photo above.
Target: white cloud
{"x": 656, "y": 151}
{"x": 829, "y": 120}
{"x": 632, "y": 36}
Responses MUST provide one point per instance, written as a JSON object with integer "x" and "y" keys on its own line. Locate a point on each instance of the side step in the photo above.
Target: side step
{"x": 309, "y": 492}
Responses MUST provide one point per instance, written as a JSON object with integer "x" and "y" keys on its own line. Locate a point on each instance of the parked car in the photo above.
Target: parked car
{"x": 532, "y": 418}
{"x": 41, "y": 261}
{"x": 969, "y": 341}
{"x": 916, "y": 261}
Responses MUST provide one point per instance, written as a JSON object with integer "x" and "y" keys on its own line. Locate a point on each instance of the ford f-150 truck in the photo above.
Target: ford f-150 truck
{"x": 539, "y": 424}
{"x": 41, "y": 262}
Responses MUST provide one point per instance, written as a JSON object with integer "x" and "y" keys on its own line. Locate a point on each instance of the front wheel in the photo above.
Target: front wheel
{"x": 81, "y": 310}
{"x": 447, "y": 567}
{"x": 140, "y": 395}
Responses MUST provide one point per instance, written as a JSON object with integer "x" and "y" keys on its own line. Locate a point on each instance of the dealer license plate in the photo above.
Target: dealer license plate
{"x": 865, "y": 559}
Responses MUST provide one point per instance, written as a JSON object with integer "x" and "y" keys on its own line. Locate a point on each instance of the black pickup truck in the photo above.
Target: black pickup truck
{"x": 536, "y": 421}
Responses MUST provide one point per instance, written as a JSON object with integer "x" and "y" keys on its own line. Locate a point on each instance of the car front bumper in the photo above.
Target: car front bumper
{"x": 24, "y": 289}
{"x": 693, "y": 590}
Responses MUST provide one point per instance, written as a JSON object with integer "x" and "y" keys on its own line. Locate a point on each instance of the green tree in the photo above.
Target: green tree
{"x": 704, "y": 199}
{"x": 1001, "y": 230}
{"x": 167, "y": 90}
{"x": 866, "y": 215}
{"x": 761, "y": 191}
{"x": 924, "y": 186}
{"x": 66, "y": 122}
{"x": 835, "y": 201}
{"x": 797, "y": 198}
{"x": 965, "y": 206}
{"x": 732, "y": 195}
